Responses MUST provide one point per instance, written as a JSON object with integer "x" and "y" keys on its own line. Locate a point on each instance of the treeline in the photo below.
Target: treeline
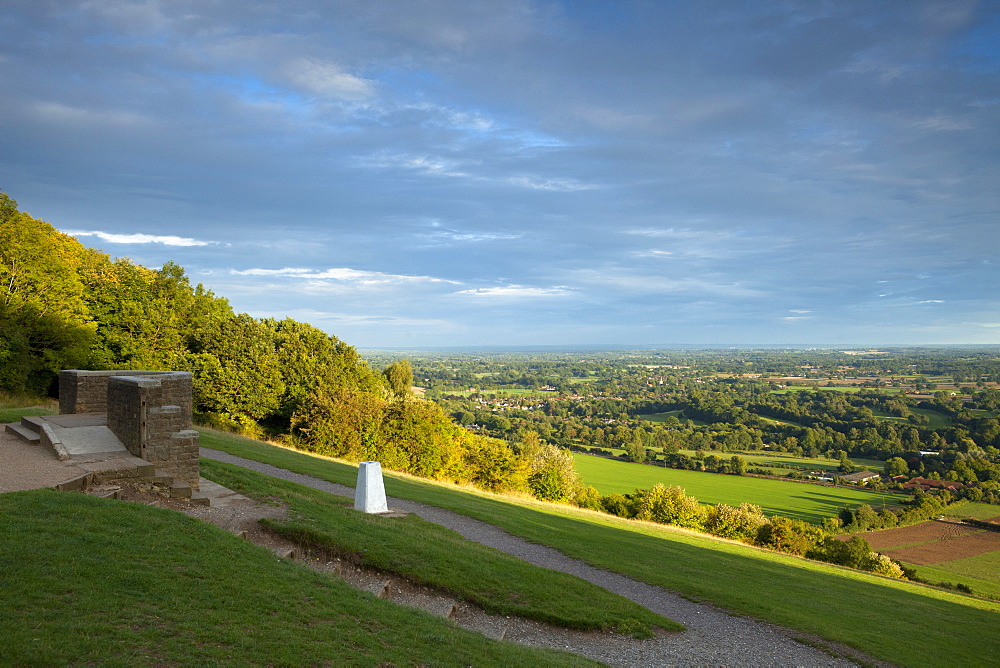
{"x": 64, "y": 306}
{"x": 746, "y": 523}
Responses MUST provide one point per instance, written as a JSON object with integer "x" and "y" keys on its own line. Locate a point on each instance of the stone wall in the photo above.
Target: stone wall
{"x": 149, "y": 411}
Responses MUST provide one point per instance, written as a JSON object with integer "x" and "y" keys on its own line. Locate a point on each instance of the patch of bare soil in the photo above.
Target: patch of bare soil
{"x": 928, "y": 531}
{"x": 958, "y": 547}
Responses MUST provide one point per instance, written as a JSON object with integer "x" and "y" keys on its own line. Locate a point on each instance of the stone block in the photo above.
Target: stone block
{"x": 369, "y": 495}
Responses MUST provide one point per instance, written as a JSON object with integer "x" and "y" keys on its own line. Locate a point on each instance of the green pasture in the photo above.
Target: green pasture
{"x": 977, "y": 511}
{"x": 981, "y": 573}
{"x": 662, "y": 417}
{"x": 898, "y": 622}
{"x": 937, "y": 419}
{"x": 768, "y": 458}
{"x": 776, "y": 497}
{"x": 517, "y": 392}
{"x": 837, "y": 388}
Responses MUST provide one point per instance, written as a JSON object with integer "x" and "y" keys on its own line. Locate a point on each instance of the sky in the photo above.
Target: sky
{"x": 434, "y": 173}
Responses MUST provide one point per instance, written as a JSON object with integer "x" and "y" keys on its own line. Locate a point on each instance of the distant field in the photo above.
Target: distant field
{"x": 948, "y": 552}
{"x": 937, "y": 419}
{"x": 796, "y": 500}
{"x": 836, "y": 388}
{"x": 978, "y": 511}
{"x": 492, "y": 393}
{"x": 662, "y": 417}
{"x": 772, "y": 458}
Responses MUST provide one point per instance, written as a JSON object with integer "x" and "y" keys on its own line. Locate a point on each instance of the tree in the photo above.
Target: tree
{"x": 895, "y": 466}
{"x": 669, "y": 505}
{"x": 399, "y": 376}
{"x": 636, "y": 449}
{"x": 45, "y": 325}
{"x": 553, "y": 476}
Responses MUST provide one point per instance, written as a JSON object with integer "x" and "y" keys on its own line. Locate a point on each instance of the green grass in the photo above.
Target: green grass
{"x": 776, "y": 497}
{"x": 15, "y": 414}
{"x": 662, "y": 417}
{"x": 772, "y": 458}
{"x": 937, "y": 419}
{"x": 895, "y": 621}
{"x": 428, "y": 554}
{"x": 977, "y": 511}
{"x": 88, "y": 581}
{"x": 981, "y": 573}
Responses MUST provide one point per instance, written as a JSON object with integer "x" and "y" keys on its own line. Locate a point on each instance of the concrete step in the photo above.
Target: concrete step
{"x": 180, "y": 491}
{"x": 77, "y": 484}
{"x": 160, "y": 480}
{"x": 199, "y": 499}
{"x": 33, "y": 422}
{"x": 119, "y": 468}
{"x": 22, "y": 432}
{"x": 286, "y": 553}
{"x": 105, "y": 491}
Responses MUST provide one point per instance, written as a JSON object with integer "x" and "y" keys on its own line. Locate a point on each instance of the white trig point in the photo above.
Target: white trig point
{"x": 369, "y": 495}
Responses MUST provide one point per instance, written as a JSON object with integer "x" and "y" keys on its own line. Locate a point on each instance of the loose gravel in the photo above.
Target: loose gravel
{"x": 712, "y": 636}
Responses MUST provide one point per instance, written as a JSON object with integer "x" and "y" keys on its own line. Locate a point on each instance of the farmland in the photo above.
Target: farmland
{"x": 801, "y": 501}
{"x": 948, "y": 552}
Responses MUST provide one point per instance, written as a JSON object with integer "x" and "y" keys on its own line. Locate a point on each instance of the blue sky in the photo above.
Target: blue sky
{"x": 457, "y": 173}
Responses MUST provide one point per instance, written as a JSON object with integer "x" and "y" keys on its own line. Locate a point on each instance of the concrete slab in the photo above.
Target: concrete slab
{"x": 220, "y": 496}
{"x": 23, "y": 432}
{"x": 78, "y": 420}
{"x": 88, "y": 440}
{"x": 27, "y": 466}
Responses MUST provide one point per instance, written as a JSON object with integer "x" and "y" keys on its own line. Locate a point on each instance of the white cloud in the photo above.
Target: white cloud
{"x": 653, "y": 253}
{"x": 655, "y": 284}
{"x": 517, "y": 291}
{"x": 61, "y": 113}
{"x": 799, "y": 310}
{"x": 352, "y": 319}
{"x": 329, "y": 80}
{"x": 342, "y": 274}
{"x": 553, "y": 185}
{"x": 166, "y": 240}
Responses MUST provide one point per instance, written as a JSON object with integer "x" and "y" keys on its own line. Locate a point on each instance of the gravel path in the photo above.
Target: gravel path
{"x": 712, "y": 638}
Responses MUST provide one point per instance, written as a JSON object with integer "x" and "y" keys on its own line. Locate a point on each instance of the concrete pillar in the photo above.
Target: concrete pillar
{"x": 369, "y": 495}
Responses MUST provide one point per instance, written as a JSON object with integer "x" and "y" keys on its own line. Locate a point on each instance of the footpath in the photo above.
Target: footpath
{"x": 713, "y": 637}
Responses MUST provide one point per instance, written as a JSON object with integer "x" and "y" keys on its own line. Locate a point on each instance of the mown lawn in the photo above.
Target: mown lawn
{"x": 776, "y": 497}
{"x": 88, "y": 581}
{"x": 895, "y": 621}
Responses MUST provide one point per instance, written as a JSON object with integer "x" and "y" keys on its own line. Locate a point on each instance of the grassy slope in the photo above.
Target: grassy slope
{"x": 896, "y": 621}
{"x": 797, "y": 500}
{"x": 92, "y": 581}
{"x": 432, "y": 555}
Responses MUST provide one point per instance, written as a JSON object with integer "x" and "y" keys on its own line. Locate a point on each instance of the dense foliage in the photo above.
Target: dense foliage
{"x": 63, "y": 305}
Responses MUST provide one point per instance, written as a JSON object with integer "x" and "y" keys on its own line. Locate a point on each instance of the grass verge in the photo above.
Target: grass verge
{"x": 895, "y": 621}
{"x": 429, "y": 554}
{"x": 89, "y": 581}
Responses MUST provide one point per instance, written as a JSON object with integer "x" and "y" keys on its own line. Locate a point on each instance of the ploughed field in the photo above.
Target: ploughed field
{"x": 803, "y": 501}
{"x": 945, "y": 551}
